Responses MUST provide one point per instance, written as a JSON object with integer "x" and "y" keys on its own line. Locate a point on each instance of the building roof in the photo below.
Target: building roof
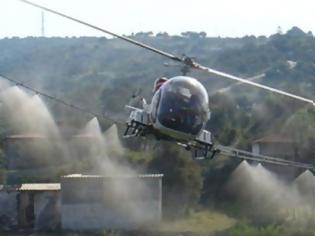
{"x": 31, "y": 187}
{"x": 114, "y": 176}
{"x": 274, "y": 139}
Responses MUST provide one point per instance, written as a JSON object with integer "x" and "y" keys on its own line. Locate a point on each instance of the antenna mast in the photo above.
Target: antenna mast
{"x": 43, "y": 25}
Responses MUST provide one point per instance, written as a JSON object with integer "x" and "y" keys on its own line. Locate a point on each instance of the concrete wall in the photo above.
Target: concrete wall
{"x": 47, "y": 210}
{"x": 25, "y": 210}
{"x": 95, "y": 203}
{"x": 8, "y": 210}
{"x": 97, "y": 216}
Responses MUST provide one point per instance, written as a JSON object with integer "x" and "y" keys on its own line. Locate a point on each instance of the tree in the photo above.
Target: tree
{"x": 215, "y": 179}
{"x": 182, "y": 179}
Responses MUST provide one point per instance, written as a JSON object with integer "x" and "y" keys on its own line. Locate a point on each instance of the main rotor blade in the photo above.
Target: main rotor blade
{"x": 168, "y": 55}
{"x": 233, "y": 77}
{"x": 186, "y": 60}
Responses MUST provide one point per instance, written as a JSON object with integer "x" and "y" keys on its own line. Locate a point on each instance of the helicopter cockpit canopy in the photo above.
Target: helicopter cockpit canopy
{"x": 184, "y": 105}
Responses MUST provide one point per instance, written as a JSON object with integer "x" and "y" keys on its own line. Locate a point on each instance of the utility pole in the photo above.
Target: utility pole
{"x": 279, "y": 30}
{"x": 43, "y": 25}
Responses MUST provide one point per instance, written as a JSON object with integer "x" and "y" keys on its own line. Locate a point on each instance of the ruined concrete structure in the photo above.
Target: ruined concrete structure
{"x": 83, "y": 202}
{"x": 30, "y": 206}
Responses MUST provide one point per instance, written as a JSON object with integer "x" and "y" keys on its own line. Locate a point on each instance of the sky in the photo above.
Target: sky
{"x": 225, "y": 18}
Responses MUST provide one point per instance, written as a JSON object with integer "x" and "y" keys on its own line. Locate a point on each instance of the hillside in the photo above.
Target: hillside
{"x": 101, "y": 74}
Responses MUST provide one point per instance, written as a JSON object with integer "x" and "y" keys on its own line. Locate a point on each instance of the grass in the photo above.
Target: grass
{"x": 201, "y": 221}
{"x": 270, "y": 230}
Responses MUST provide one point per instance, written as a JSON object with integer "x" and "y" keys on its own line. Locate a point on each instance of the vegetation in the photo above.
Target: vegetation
{"x": 245, "y": 230}
{"x": 101, "y": 74}
{"x": 271, "y": 230}
{"x": 200, "y": 221}
{"x": 104, "y": 69}
{"x": 182, "y": 179}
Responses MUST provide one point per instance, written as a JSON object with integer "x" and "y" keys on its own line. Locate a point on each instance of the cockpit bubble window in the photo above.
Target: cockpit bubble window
{"x": 184, "y": 105}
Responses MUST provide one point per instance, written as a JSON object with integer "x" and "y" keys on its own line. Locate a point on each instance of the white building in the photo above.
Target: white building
{"x": 110, "y": 202}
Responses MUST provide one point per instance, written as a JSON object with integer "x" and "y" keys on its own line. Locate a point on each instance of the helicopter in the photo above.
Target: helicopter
{"x": 178, "y": 112}
{"x": 179, "y": 109}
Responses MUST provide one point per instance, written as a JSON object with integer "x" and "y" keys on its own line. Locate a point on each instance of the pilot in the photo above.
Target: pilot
{"x": 193, "y": 115}
{"x": 169, "y": 110}
{"x": 158, "y": 83}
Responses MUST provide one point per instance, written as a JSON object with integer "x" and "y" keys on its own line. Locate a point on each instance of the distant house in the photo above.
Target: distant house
{"x": 34, "y": 157}
{"x": 277, "y": 146}
{"x": 30, "y": 156}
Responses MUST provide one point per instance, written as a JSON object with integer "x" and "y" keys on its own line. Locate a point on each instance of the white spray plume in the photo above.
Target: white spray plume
{"x": 267, "y": 196}
{"x": 29, "y": 117}
{"x": 125, "y": 195}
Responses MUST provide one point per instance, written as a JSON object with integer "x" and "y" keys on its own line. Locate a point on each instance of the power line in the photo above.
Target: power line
{"x": 60, "y": 101}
